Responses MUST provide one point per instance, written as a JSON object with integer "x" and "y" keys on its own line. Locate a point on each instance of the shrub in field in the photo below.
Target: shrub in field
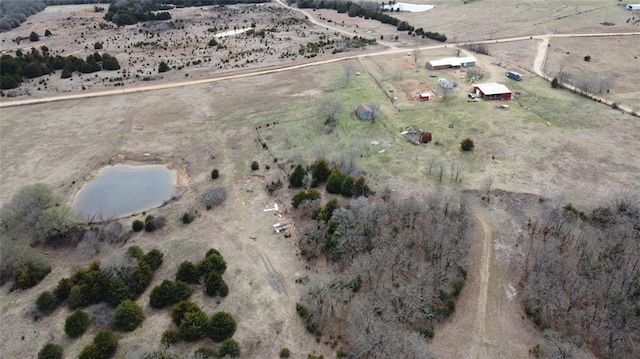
{"x": 46, "y": 302}
{"x": 467, "y": 144}
{"x": 221, "y": 326}
{"x": 334, "y": 182}
{"x": 215, "y": 174}
{"x": 169, "y": 293}
{"x": 214, "y": 197}
{"x": 229, "y": 347}
{"x": 169, "y": 337}
{"x": 50, "y": 351}
{"x": 211, "y": 263}
{"x": 215, "y": 285}
{"x": 188, "y": 273}
{"x": 193, "y": 326}
{"x": 255, "y": 166}
{"x": 76, "y": 323}
{"x": 137, "y": 225}
{"x": 285, "y": 353}
{"x": 179, "y": 310}
{"x": 128, "y": 316}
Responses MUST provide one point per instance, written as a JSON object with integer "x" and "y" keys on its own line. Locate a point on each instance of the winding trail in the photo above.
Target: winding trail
{"x": 480, "y": 328}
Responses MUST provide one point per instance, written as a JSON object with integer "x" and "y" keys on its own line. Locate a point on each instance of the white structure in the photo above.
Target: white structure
{"x": 633, "y": 7}
{"x": 449, "y": 62}
{"x": 492, "y": 90}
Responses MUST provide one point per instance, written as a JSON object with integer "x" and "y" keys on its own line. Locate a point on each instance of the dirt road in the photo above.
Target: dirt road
{"x": 479, "y": 332}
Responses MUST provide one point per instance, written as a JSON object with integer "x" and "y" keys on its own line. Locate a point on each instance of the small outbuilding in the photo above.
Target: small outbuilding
{"x": 492, "y": 91}
{"x": 451, "y": 62}
{"x": 364, "y": 112}
{"x": 425, "y": 96}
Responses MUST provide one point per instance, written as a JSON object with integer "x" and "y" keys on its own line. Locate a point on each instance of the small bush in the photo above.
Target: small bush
{"x": 137, "y": 225}
{"x": 128, "y": 316}
{"x": 427, "y": 332}
{"x": 205, "y": 353}
{"x": 467, "y": 144}
{"x": 215, "y": 174}
{"x": 46, "y": 302}
{"x": 215, "y": 286}
{"x": 169, "y": 293}
{"x": 296, "y": 180}
{"x": 106, "y": 343}
{"x": 179, "y": 310}
{"x": 304, "y": 196}
{"x": 149, "y": 226}
{"x": 214, "y": 197}
{"x": 302, "y": 311}
{"x": 76, "y": 323}
{"x": 255, "y": 166}
{"x": 33, "y": 37}
{"x": 285, "y": 353}
{"x": 97, "y": 45}
{"x": 163, "y": 67}
{"x": 554, "y": 83}
{"x": 193, "y": 325}
{"x": 153, "y": 258}
{"x": 50, "y": 351}
{"x": 134, "y": 252}
{"x": 188, "y": 273}
{"x": 334, "y": 182}
{"x": 347, "y": 187}
{"x": 213, "y": 262}
{"x": 457, "y": 288}
{"x": 187, "y": 218}
{"x": 229, "y": 347}
{"x": 355, "y": 284}
{"x": 221, "y": 326}
{"x": 169, "y": 337}
{"x": 587, "y": 58}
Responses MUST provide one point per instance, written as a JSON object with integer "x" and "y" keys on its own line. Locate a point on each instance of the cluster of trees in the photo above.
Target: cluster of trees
{"x": 13, "y": 13}
{"x": 113, "y": 284}
{"x": 22, "y": 264}
{"x": 36, "y": 211}
{"x": 580, "y": 83}
{"x": 581, "y": 275}
{"x": 193, "y": 324}
{"x": 207, "y": 271}
{"x": 336, "y": 182}
{"x": 34, "y": 64}
{"x": 397, "y": 266}
{"x": 367, "y": 10}
{"x": 128, "y": 13}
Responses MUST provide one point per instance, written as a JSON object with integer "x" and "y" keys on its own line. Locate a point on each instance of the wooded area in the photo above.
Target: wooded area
{"x": 396, "y": 267}
{"x": 581, "y": 275}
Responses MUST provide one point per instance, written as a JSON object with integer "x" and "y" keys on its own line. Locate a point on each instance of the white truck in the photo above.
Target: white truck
{"x": 633, "y": 7}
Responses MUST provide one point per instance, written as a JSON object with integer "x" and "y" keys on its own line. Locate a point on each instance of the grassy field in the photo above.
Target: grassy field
{"x": 547, "y": 142}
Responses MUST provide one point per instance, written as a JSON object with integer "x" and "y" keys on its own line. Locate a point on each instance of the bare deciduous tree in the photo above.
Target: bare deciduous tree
{"x": 374, "y": 106}
{"x": 329, "y": 109}
{"x": 349, "y": 70}
{"x": 456, "y": 170}
{"x": 487, "y": 185}
{"x": 442, "y": 169}
{"x": 431, "y": 162}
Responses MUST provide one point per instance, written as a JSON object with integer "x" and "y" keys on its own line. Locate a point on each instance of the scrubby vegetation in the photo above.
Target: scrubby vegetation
{"x": 33, "y": 64}
{"x": 76, "y": 323}
{"x": 104, "y": 346}
{"x": 13, "y": 13}
{"x": 396, "y": 267}
{"x": 169, "y": 293}
{"x": 50, "y": 351}
{"x": 114, "y": 283}
{"x": 23, "y": 265}
{"x": 581, "y": 275}
{"x": 128, "y": 316}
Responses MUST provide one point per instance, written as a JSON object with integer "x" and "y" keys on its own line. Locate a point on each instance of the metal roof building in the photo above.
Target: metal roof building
{"x": 449, "y": 62}
{"x": 492, "y": 90}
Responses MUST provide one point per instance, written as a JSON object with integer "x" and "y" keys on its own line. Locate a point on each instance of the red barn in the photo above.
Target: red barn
{"x": 492, "y": 91}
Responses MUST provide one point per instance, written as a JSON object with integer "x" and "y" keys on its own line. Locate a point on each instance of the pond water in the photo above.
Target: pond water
{"x": 403, "y": 6}
{"x": 231, "y": 32}
{"x": 121, "y": 190}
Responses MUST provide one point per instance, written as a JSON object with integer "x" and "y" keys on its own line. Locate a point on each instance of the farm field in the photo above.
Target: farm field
{"x": 545, "y": 146}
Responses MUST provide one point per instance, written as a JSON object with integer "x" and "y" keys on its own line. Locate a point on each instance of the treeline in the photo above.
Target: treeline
{"x": 129, "y": 13}
{"x": 13, "y": 70}
{"x": 13, "y": 13}
{"x": 581, "y": 276}
{"x": 396, "y": 266}
{"x": 367, "y": 10}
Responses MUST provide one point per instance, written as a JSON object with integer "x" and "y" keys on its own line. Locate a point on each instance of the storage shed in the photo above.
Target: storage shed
{"x": 364, "y": 112}
{"x": 451, "y": 62}
{"x": 492, "y": 91}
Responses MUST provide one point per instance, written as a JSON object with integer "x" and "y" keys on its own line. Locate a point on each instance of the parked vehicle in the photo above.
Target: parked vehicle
{"x": 514, "y": 75}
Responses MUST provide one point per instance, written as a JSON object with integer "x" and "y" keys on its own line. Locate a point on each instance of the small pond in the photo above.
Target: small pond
{"x": 403, "y": 6}
{"x": 121, "y": 190}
